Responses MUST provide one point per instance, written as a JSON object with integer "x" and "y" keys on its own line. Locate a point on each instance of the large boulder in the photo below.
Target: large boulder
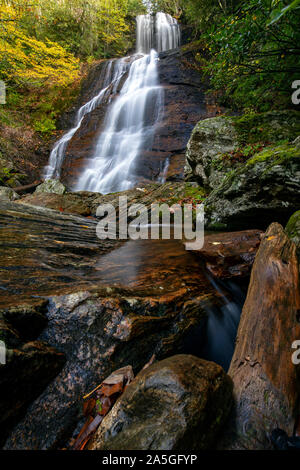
{"x": 180, "y": 403}
{"x": 265, "y": 189}
{"x": 219, "y": 144}
{"x": 210, "y": 138}
{"x": 8, "y": 194}
{"x": 51, "y": 186}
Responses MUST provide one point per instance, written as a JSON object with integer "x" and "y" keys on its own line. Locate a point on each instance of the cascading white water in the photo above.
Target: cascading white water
{"x": 129, "y": 123}
{"x": 161, "y": 33}
{"x": 131, "y": 118}
{"x": 167, "y": 34}
{"x": 144, "y": 34}
{"x": 112, "y": 73}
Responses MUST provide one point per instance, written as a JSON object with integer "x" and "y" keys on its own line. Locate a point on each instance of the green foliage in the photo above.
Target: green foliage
{"x": 45, "y": 125}
{"x": 267, "y": 127}
{"x": 279, "y": 9}
{"x": 251, "y": 52}
{"x": 98, "y": 28}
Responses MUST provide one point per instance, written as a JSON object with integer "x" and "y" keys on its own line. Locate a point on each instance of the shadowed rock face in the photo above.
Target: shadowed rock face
{"x": 107, "y": 305}
{"x": 184, "y": 106}
{"x": 28, "y": 369}
{"x": 176, "y": 404}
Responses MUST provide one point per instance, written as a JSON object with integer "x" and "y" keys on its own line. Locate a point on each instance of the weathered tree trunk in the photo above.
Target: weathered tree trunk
{"x": 266, "y": 386}
{"x": 28, "y": 188}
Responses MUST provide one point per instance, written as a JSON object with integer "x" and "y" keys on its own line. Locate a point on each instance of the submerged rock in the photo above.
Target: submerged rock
{"x": 180, "y": 403}
{"x": 8, "y": 194}
{"x": 231, "y": 254}
{"x": 265, "y": 189}
{"x": 51, "y": 186}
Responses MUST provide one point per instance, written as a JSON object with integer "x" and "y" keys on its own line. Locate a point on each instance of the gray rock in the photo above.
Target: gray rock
{"x": 209, "y": 139}
{"x": 51, "y": 186}
{"x": 179, "y": 403}
{"x": 8, "y": 194}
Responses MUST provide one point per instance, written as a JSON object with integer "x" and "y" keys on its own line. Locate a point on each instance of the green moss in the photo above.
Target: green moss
{"x": 10, "y": 177}
{"x": 197, "y": 193}
{"x": 278, "y": 155}
{"x": 268, "y": 127}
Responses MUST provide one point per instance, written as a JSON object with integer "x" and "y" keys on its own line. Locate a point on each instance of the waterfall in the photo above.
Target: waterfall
{"x": 131, "y": 118}
{"x": 161, "y": 33}
{"x": 111, "y": 75}
{"x": 167, "y": 33}
{"x": 129, "y": 123}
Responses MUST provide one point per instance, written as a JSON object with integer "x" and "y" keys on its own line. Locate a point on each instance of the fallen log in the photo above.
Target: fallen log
{"x": 28, "y": 188}
{"x": 231, "y": 254}
{"x": 266, "y": 382}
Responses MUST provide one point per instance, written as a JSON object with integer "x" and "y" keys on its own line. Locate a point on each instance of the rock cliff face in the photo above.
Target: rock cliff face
{"x": 184, "y": 106}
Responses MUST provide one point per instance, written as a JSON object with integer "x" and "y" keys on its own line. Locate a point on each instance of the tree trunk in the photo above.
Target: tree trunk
{"x": 266, "y": 382}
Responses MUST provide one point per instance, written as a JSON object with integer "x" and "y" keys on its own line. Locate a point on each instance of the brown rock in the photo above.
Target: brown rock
{"x": 266, "y": 382}
{"x": 230, "y": 254}
{"x": 179, "y": 403}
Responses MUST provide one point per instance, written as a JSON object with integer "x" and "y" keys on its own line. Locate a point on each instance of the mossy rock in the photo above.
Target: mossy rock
{"x": 266, "y": 189}
{"x": 214, "y": 139}
{"x": 51, "y": 186}
{"x": 8, "y": 194}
